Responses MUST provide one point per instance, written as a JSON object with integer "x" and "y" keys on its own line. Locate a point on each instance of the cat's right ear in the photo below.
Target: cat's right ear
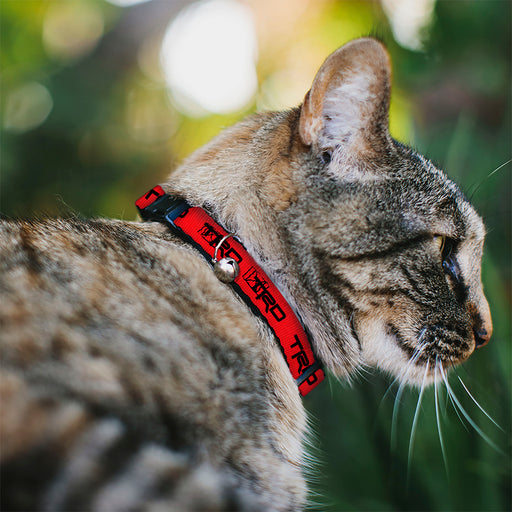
{"x": 348, "y": 103}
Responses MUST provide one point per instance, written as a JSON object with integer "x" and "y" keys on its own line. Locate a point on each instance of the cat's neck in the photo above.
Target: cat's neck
{"x": 246, "y": 190}
{"x": 249, "y": 179}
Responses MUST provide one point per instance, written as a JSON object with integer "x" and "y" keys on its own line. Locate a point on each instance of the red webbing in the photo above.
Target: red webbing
{"x": 150, "y": 197}
{"x": 261, "y": 291}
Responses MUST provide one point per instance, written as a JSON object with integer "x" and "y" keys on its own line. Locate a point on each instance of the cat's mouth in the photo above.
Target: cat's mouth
{"x": 447, "y": 345}
{"x": 416, "y": 358}
{"x": 435, "y": 345}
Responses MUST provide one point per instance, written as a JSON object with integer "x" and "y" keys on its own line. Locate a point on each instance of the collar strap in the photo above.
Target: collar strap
{"x": 195, "y": 226}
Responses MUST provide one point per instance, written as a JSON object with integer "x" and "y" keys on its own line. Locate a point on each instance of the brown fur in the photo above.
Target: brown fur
{"x": 133, "y": 379}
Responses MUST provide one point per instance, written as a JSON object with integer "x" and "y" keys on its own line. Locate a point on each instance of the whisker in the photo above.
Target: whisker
{"x": 404, "y": 373}
{"x": 472, "y": 397}
{"x": 487, "y": 177}
{"x": 384, "y": 396}
{"x": 415, "y": 420}
{"x": 446, "y": 401}
{"x": 469, "y": 419}
{"x": 441, "y": 441}
{"x": 394, "y": 417}
{"x": 363, "y": 372}
{"x": 450, "y": 399}
{"x": 454, "y": 405}
{"x": 331, "y": 389}
{"x": 478, "y": 405}
{"x": 395, "y": 380}
{"x": 498, "y": 168}
{"x": 402, "y": 380}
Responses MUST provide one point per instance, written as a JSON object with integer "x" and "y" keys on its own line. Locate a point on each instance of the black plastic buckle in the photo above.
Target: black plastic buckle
{"x": 164, "y": 209}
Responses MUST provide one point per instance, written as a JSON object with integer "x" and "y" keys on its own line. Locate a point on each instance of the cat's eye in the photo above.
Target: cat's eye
{"x": 326, "y": 157}
{"x": 440, "y": 241}
{"x": 446, "y": 247}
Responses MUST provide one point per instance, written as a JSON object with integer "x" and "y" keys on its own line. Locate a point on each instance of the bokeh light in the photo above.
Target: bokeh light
{"x": 72, "y": 28}
{"x": 208, "y": 57}
{"x": 27, "y": 107}
{"x": 409, "y": 19}
{"x": 126, "y": 3}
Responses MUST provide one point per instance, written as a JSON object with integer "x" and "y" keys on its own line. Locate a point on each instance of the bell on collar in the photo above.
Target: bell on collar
{"x": 226, "y": 270}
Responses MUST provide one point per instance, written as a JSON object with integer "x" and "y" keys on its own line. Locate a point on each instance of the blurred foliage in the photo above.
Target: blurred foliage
{"x": 87, "y": 124}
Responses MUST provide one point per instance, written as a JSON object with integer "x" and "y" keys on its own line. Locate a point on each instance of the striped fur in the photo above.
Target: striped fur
{"x": 132, "y": 378}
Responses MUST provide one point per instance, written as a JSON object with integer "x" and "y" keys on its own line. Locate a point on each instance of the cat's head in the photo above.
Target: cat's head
{"x": 375, "y": 247}
{"x": 387, "y": 248}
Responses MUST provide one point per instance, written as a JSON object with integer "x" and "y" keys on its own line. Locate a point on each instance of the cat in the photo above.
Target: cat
{"x": 132, "y": 378}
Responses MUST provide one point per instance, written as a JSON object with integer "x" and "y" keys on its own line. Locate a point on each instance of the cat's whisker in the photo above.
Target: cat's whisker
{"x": 421, "y": 335}
{"x": 446, "y": 402}
{"x": 402, "y": 383}
{"x": 331, "y": 390}
{"x": 436, "y": 396}
{"x": 386, "y": 393}
{"x": 458, "y": 405}
{"x": 394, "y": 418}
{"x": 401, "y": 377}
{"x": 455, "y": 408}
{"x": 362, "y": 372}
{"x": 450, "y": 399}
{"x": 415, "y": 419}
{"x": 499, "y": 167}
{"x": 388, "y": 389}
{"x": 364, "y": 369}
{"x": 487, "y": 177}
{"x": 489, "y": 417}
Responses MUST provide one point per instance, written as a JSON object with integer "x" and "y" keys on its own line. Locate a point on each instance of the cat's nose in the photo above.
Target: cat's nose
{"x": 482, "y": 324}
{"x": 482, "y": 337}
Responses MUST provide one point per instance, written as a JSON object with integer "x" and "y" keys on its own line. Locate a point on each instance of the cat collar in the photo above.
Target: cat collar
{"x": 234, "y": 265}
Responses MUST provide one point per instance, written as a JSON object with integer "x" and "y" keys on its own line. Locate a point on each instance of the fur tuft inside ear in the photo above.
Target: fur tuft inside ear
{"x": 348, "y": 103}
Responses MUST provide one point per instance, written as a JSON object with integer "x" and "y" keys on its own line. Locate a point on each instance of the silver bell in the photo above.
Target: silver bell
{"x": 226, "y": 269}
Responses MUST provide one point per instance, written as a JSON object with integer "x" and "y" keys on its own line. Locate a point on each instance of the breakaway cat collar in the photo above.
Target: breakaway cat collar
{"x": 237, "y": 267}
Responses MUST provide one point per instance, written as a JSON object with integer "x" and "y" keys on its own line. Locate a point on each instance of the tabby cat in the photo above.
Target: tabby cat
{"x": 133, "y": 379}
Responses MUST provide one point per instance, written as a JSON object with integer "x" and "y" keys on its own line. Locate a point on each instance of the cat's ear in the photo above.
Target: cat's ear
{"x": 348, "y": 102}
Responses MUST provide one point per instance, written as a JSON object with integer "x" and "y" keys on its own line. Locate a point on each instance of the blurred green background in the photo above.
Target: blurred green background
{"x": 101, "y": 100}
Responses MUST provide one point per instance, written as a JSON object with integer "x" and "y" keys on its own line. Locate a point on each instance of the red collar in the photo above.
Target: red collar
{"x": 252, "y": 284}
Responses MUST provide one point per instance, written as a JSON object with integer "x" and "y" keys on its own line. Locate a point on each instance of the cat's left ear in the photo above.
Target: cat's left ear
{"x": 348, "y": 103}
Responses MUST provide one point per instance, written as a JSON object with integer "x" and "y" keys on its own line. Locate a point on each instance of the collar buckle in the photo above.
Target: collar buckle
{"x": 157, "y": 205}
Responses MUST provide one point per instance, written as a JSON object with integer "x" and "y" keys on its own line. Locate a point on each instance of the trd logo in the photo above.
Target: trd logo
{"x": 301, "y": 357}
{"x": 260, "y": 287}
{"x": 213, "y": 238}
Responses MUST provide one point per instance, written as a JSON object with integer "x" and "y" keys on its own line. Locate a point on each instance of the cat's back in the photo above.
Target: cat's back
{"x": 116, "y": 339}
{"x": 75, "y": 272}
{"x": 101, "y": 276}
